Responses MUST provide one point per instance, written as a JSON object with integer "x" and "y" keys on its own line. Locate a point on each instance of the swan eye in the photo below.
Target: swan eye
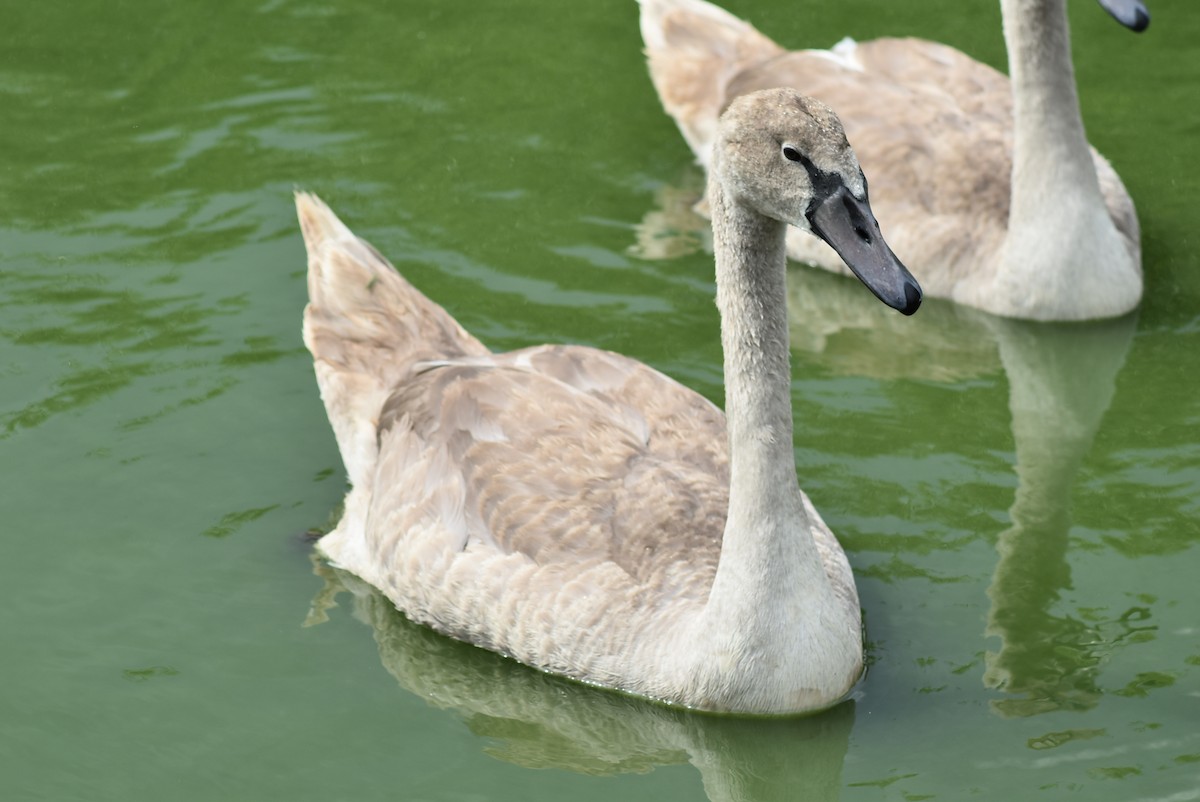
{"x": 791, "y": 154}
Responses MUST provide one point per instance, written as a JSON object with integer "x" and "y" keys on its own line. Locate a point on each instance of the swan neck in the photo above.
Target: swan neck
{"x": 774, "y": 635}
{"x": 751, "y": 296}
{"x": 767, "y": 534}
{"x": 1050, "y": 150}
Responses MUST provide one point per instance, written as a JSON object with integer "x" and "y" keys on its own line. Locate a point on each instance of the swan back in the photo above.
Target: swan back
{"x": 693, "y": 52}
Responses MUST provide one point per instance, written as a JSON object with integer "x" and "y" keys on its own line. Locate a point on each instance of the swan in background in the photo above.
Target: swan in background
{"x": 988, "y": 187}
{"x": 567, "y": 506}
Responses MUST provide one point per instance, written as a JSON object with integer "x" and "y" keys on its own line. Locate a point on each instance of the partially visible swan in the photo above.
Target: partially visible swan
{"x": 989, "y": 190}
{"x": 581, "y": 512}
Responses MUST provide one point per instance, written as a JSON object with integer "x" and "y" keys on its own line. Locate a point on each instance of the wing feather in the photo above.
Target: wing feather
{"x": 560, "y": 454}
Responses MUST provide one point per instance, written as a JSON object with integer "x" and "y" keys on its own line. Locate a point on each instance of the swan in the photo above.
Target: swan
{"x": 575, "y": 509}
{"x": 989, "y": 189}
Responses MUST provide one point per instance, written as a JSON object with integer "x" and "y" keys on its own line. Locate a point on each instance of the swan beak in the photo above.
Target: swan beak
{"x": 1130, "y": 13}
{"x": 850, "y": 228}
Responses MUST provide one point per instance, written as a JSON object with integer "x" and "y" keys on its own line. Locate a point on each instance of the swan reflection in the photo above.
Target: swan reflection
{"x": 1061, "y": 380}
{"x": 535, "y": 720}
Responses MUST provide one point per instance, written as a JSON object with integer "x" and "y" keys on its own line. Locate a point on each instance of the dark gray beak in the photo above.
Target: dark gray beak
{"x": 849, "y": 226}
{"x": 1130, "y": 13}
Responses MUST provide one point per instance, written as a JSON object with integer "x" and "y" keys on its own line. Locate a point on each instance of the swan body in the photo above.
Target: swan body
{"x": 579, "y": 511}
{"x": 988, "y": 187}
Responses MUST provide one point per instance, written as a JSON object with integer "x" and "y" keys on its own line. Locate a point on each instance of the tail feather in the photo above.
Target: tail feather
{"x": 365, "y": 326}
{"x": 694, "y": 48}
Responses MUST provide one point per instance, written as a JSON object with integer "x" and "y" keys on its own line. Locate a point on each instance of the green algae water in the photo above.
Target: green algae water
{"x": 1019, "y": 502}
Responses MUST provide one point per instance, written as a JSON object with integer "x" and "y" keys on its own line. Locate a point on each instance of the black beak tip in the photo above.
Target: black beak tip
{"x": 912, "y": 298}
{"x": 1130, "y": 13}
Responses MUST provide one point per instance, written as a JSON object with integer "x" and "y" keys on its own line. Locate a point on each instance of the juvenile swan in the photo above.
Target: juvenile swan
{"x": 988, "y": 188}
{"x": 581, "y": 512}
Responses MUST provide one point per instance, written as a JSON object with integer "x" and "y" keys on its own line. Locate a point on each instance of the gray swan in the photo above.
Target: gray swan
{"x": 577, "y": 510}
{"x": 987, "y": 186}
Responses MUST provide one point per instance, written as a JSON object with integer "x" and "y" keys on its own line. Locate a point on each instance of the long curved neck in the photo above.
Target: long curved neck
{"x": 1051, "y": 157}
{"x": 1063, "y": 257}
{"x": 774, "y": 635}
{"x": 1051, "y": 151}
{"x": 767, "y": 538}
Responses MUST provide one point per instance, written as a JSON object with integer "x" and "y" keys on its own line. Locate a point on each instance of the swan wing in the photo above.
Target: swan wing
{"x": 560, "y": 454}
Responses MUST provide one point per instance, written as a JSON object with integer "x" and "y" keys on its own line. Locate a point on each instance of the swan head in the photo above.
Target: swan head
{"x": 786, "y": 156}
{"x": 1130, "y": 13}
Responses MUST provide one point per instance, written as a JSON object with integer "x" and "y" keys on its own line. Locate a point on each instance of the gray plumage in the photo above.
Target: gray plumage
{"x": 576, "y": 509}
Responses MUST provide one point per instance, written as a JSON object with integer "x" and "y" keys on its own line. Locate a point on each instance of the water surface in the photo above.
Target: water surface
{"x": 1018, "y": 501}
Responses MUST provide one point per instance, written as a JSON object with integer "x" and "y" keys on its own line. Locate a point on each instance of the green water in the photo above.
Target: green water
{"x": 1019, "y": 502}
